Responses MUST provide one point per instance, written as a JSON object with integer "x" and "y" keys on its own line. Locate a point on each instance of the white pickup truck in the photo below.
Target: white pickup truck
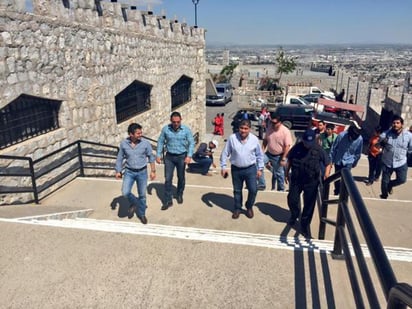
{"x": 293, "y": 99}
{"x": 302, "y": 90}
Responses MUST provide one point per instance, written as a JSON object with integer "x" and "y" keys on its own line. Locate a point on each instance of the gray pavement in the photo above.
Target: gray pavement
{"x": 191, "y": 256}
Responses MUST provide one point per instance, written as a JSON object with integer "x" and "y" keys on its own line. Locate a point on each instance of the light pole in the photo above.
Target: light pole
{"x": 195, "y": 2}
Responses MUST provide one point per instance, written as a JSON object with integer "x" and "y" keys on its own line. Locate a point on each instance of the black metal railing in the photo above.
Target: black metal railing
{"x": 398, "y": 295}
{"x": 72, "y": 160}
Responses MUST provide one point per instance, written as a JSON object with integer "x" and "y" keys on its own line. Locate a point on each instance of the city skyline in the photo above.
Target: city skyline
{"x": 302, "y": 22}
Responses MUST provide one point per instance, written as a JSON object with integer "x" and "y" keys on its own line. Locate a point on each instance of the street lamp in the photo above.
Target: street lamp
{"x": 195, "y": 2}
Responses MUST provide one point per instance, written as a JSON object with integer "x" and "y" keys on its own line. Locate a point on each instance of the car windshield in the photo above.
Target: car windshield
{"x": 220, "y": 89}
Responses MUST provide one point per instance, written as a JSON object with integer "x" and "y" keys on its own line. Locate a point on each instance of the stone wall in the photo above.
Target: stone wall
{"x": 380, "y": 103}
{"x": 75, "y": 55}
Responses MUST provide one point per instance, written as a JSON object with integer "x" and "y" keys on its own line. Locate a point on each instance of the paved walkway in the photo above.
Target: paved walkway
{"x": 191, "y": 256}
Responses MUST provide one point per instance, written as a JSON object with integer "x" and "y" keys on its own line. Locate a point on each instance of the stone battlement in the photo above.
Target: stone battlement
{"x": 109, "y": 16}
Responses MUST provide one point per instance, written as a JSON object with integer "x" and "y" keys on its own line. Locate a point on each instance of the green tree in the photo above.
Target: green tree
{"x": 286, "y": 64}
{"x": 227, "y": 72}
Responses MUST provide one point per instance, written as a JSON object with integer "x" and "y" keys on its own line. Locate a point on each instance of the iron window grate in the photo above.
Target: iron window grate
{"x": 133, "y": 100}
{"x": 181, "y": 91}
{"x": 26, "y": 117}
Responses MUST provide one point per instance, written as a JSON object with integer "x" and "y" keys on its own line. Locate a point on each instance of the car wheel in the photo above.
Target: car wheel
{"x": 287, "y": 124}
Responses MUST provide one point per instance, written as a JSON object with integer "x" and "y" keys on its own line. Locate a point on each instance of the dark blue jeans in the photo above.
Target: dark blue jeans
{"x": 172, "y": 162}
{"x": 375, "y": 167}
{"x": 309, "y": 199}
{"x": 387, "y": 184}
{"x": 203, "y": 164}
{"x": 244, "y": 175}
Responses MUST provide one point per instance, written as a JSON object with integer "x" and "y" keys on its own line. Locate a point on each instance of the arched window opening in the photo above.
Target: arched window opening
{"x": 181, "y": 91}
{"x": 133, "y": 100}
{"x": 26, "y": 117}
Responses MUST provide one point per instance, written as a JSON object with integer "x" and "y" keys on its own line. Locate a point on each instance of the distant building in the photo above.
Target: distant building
{"x": 225, "y": 57}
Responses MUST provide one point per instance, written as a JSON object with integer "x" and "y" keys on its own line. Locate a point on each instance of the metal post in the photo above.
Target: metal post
{"x": 195, "y": 2}
{"x": 79, "y": 153}
{"x": 33, "y": 181}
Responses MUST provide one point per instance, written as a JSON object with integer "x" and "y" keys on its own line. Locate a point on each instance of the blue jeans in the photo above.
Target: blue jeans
{"x": 261, "y": 182}
{"x": 140, "y": 178}
{"x": 172, "y": 162}
{"x": 387, "y": 184}
{"x": 278, "y": 172}
{"x": 203, "y": 164}
{"x": 244, "y": 175}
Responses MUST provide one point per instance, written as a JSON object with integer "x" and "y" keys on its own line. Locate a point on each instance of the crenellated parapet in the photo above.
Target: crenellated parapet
{"x": 110, "y": 16}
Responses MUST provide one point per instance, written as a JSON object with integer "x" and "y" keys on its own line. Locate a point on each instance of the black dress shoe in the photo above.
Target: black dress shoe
{"x": 384, "y": 197}
{"x": 166, "y": 205}
{"x": 179, "y": 199}
{"x": 143, "y": 219}
{"x": 236, "y": 214}
{"x": 249, "y": 213}
{"x": 130, "y": 212}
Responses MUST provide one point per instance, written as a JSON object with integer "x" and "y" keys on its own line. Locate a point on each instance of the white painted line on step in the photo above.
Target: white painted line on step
{"x": 217, "y": 236}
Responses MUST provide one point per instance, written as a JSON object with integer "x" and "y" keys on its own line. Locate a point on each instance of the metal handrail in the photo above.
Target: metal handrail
{"x": 34, "y": 176}
{"x": 78, "y": 153}
{"x": 396, "y": 294}
{"x": 33, "y": 188}
{"x": 400, "y": 296}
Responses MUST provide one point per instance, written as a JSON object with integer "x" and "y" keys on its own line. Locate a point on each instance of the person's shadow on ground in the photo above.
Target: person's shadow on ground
{"x": 280, "y": 215}
{"x": 276, "y": 212}
{"x": 122, "y": 205}
{"x": 223, "y": 201}
{"x": 160, "y": 190}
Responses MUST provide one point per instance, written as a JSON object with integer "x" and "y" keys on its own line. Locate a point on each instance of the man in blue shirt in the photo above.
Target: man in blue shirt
{"x": 179, "y": 143}
{"x": 136, "y": 152}
{"x": 246, "y": 158}
{"x": 396, "y": 144}
{"x": 346, "y": 150}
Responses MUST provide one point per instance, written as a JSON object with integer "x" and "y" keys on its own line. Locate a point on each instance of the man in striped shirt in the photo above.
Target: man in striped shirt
{"x": 179, "y": 143}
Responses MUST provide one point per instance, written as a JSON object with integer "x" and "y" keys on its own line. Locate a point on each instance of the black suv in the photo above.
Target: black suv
{"x": 295, "y": 116}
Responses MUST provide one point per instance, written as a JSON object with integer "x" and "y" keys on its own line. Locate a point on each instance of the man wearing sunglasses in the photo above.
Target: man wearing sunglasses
{"x": 277, "y": 142}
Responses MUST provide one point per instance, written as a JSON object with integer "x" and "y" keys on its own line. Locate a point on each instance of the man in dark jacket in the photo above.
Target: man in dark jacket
{"x": 203, "y": 158}
{"x": 305, "y": 159}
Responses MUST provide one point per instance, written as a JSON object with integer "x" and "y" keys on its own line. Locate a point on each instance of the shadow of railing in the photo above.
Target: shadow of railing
{"x": 398, "y": 295}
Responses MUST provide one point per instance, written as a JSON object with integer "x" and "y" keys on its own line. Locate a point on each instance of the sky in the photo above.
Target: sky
{"x": 293, "y": 22}
{"x": 278, "y": 22}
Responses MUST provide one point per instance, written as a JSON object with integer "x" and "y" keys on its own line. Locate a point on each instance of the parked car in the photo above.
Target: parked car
{"x": 291, "y": 99}
{"x": 295, "y": 116}
{"x": 311, "y": 97}
{"x": 224, "y": 95}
